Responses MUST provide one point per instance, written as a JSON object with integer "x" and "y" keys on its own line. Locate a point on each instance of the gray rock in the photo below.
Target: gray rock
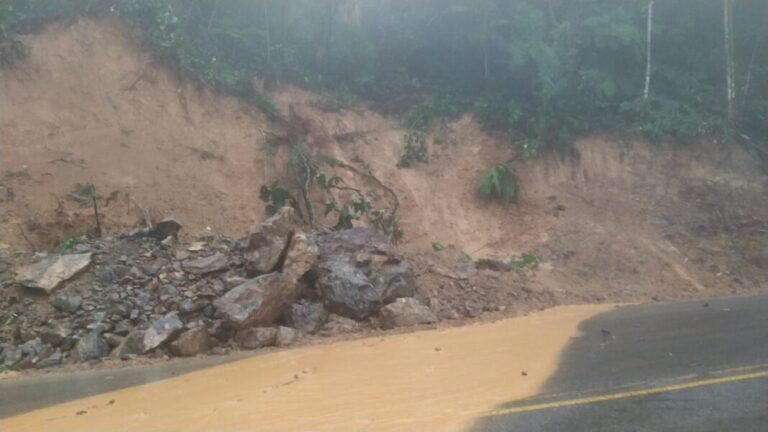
{"x": 214, "y": 263}
{"x": 339, "y": 325}
{"x": 106, "y": 276}
{"x": 301, "y": 256}
{"x": 405, "y": 312}
{"x": 12, "y": 356}
{"x": 308, "y": 317}
{"x": 122, "y": 328}
{"x": 360, "y": 271}
{"x": 168, "y": 227}
{"x": 32, "y": 348}
{"x": 263, "y": 253}
{"x": 68, "y": 303}
{"x": 53, "y": 360}
{"x": 49, "y": 273}
{"x": 162, "y": 330}
{"x": 55, "y": 335}
{"x": 256, "y": 337}
{"x": 267, "y": 245}
{"x": 221, "y": 330}
{"x": 132, "y": 345}
{"x": 189, "y": 306}
{"x": 191, "y": 342}
{"x": 256, "y": 302}
{"x": 113, "y": 340}
{"x": 285, "y": 336}
{"x": 91, "y": 347}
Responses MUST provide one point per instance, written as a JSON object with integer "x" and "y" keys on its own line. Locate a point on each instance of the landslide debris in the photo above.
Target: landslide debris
{"x": 145, "y": 294}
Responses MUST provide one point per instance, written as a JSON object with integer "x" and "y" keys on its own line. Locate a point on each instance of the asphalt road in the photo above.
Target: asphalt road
{"x": 18, "y": 396}
{"x": 699, "y": 366}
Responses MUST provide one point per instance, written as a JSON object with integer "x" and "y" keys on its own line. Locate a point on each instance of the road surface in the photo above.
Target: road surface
{"x": 699, "y": 366}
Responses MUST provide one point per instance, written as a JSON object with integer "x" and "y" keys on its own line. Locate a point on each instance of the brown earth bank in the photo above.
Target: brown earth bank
{"x": 615, "y": 221}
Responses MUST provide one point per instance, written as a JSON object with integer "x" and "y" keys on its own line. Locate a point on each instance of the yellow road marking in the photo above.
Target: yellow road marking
{"x": 628, "y": 394}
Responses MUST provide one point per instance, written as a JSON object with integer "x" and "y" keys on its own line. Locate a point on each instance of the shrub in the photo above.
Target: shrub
{"x": 415, "y": 150}
{"x": 499, "y": 183}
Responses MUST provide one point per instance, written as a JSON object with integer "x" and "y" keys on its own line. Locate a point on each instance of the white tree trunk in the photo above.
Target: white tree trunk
{"x": 647, "y": 89}
{"x": 755, "y": 50}
{"x": 730, "y": 68}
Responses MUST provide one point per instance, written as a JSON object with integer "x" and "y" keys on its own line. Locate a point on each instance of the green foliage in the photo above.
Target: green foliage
{"x": 18, "y": 174}
{"x": 354, "y": 204}
{"x": 437, "y": 246}
{"x": 420, "y": 116}
{"x": 543, "y": 71}
{"x": 415, "y": 150}
{"x": 465, "y": 258}
{"x": 70, "y": 243}
{"x": 84, "y": 194}
{"x": 269, "y": 148}
{"x": 499, "y": 183}
{"x": 526, "y": 261}
{"x": 276, "y": 198}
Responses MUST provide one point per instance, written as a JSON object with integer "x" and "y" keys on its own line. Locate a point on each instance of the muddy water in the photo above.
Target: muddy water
{"x": 431, "y": 380}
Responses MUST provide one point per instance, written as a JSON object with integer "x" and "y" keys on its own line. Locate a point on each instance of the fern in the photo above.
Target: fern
{"x": 499, "y": 183}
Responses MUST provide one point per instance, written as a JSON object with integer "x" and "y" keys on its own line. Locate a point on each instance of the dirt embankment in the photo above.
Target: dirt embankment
{"x": 624, "y": 221}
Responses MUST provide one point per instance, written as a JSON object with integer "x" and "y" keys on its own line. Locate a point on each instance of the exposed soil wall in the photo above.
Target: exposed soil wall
{"x": 623, "y": 221}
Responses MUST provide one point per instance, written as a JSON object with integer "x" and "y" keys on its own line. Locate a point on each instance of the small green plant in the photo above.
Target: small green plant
{"x": 465, "y": 258}
{"x": 22, "y": 173}
{"x": 85, "y": 194}
{"x": 526, "y": 261}
{"x": 276, "y": 197}
{"x": 437, "y": 246}
{"x": 499, "y": 183}
{"x": 269, "y": 148}
{"x": 70, "y": 243}
{"x": 415, "y": 150}
{"x": 10, "y": 319}
{"x": 6, "y": 368}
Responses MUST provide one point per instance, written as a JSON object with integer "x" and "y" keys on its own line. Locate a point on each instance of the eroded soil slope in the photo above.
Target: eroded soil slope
{"x": 619, "y": 221}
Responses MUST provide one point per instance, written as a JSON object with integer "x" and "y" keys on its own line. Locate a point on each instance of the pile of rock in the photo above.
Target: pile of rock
{"x": 145, "y": 294}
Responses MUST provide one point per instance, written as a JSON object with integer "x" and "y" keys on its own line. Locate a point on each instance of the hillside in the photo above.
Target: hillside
{"x": 616, "y": 221}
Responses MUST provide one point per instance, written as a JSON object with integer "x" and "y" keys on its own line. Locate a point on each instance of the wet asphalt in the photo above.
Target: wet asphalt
{"x": 611, "y": 378}
{"x": 625, "y": 371}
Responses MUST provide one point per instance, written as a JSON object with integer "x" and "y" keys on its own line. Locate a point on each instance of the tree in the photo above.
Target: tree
{"x": 648, "y": 56}
{"x": 729, "y": 62}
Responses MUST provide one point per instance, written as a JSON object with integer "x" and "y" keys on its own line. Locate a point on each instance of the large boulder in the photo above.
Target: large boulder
{"x": 267, "y": 245}
{"x": 405, "y": 312}
{"x": 285, "y": 336}
{"x": 300, "y": 257}
{"x": 50, "y": 272}
{"x": 192, "y": 342}
{"x": 359, "y": 271}
{"x": 92, "y": 346}
{"x": 132, "y": 345}
{"x": 162, "y": 330}
{"x": 256, "y": 302}
{"x": 210, "y": 264}
{"x": 308, "y": 317}
{"x": 257, "y": 337}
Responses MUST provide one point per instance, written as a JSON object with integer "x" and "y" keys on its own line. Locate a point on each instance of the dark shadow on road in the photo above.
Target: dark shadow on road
{"x": 654, "y": 345}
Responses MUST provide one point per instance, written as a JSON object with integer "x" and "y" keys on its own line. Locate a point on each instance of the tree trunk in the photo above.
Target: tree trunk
{"x": 750, "y": 68}
{"x": 647, "y": 89}
{"x": 730, "y": 68}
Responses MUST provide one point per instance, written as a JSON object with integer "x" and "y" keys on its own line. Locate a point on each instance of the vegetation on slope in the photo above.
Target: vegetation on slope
{"x": 543, "y": 71}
